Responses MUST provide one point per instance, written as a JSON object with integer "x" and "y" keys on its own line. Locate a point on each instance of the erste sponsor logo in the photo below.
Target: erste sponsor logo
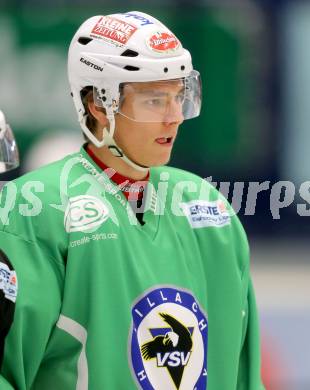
{"x": 202, "y": 213}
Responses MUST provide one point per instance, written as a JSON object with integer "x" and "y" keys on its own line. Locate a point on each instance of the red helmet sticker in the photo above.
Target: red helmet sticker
{"x": 113, "y": 30}
{"x": 163, "y": 42}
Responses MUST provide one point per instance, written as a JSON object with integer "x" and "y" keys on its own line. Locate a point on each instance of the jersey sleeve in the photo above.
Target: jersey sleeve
{"x": 249, "y": 370}
{"x": 30, "y": 299}
{"x": 249, "y": 375}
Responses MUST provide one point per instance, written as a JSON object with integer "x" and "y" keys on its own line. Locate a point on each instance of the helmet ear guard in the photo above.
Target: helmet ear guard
{"x": 107, "y": 51}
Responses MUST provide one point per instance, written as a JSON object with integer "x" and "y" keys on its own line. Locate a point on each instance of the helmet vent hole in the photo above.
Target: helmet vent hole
{"x": 84, "y": 40}
{"x": 131, "y": 68}
{"x": 165, "y": 70}
{"x": 182, "y": 67}
{"x": 129, "y": 53}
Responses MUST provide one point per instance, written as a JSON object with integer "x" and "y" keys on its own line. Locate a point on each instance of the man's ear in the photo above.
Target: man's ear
{"x": 98, "y": 113}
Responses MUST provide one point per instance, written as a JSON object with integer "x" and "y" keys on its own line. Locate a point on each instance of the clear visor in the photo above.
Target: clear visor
{"x": 9, "y": 157}
{"x": 160, "y": 101}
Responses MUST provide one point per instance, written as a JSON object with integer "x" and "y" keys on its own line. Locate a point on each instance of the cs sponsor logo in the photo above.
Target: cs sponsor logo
{"x": 85, "y": 212}
{"x": 168, "y": 341}
{"x": 201, "y": 213}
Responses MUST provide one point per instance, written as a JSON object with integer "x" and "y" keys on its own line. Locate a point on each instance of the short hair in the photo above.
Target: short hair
{"x": 88, "y": 96}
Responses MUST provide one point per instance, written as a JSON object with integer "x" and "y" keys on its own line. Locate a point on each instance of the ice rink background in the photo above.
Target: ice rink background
{"x": 254, "y": 60}
{"x": 283, "y": 300}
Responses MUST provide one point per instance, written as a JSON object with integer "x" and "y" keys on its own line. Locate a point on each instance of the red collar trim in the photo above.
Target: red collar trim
{"x": 126, "y": 184}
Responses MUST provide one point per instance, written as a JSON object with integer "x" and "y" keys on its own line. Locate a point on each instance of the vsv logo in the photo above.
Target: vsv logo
{"x": 173, "y": 359}
{"x": 85, "y": 212}
{"x": 169, "y": 339}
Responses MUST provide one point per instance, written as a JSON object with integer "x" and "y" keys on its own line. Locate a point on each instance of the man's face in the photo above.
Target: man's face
{"x": 147, "y": 125}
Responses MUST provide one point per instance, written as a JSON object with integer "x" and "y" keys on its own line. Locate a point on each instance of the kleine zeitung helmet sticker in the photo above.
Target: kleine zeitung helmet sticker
{"x": 113, "y": 30}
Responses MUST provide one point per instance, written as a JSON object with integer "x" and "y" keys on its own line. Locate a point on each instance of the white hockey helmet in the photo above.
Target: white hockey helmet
{"x": 108, "y": 51}
{"x": 9, "y": 157}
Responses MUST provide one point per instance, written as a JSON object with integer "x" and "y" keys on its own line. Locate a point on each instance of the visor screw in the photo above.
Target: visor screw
{"x": 103, "y": 91}
{"x": 182, "y": 67}
{"x": 165, "y": 70}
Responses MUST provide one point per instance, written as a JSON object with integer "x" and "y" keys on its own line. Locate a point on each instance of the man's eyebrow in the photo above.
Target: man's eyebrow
{"x": 153, "y": 92}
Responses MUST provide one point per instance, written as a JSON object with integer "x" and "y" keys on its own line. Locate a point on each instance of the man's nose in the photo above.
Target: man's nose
{"x": 174, "y": 113}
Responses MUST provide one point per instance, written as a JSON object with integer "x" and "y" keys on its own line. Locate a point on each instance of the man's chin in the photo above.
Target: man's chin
{"x": 160, "y": 162}
{"x": 154, "y": 162}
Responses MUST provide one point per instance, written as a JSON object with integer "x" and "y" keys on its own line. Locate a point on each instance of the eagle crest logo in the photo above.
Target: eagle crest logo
{"x": 172, "y": 350}
{"x": 168, "y": 340}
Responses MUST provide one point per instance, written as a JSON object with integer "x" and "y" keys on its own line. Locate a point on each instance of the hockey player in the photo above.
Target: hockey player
{"x": 9, "y": 158}
{"x": 120, "y": 272}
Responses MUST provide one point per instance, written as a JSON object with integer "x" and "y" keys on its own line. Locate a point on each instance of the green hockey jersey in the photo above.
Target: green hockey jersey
{"x": 92, "y": 299}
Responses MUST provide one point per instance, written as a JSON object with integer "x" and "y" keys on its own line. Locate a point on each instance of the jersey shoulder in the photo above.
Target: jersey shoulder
{"x": 26, "y": 200}
{"x": 190, "y": 184}
{"x": 177, "y": 173}
{"x": 48, "y": 174}
{"x": 198, "y": 194}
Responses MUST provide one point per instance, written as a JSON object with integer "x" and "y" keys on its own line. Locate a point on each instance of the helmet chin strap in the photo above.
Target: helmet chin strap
{"x": 114, "y": 148}
{"x": 108, "y": 140}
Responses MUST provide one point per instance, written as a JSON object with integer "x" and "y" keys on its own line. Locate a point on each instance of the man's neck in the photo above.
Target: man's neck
{"x": 116, "y": 163}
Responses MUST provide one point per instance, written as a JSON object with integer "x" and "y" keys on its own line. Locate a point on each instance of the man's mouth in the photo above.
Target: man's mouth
{"x": 164, "y": 140}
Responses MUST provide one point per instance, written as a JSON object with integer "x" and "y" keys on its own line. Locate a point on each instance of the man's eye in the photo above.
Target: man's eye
{"x": 179, "y": 98}
{"x": 155, "y": 102}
